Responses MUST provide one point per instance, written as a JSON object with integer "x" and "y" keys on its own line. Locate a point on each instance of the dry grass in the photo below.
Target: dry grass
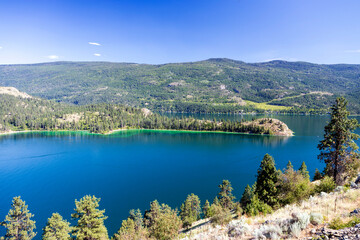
{"x": 329, "y": 205}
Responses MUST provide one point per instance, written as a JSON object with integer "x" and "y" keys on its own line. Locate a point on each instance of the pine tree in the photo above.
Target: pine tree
{"x": 127, "y": 231}
{"x": 90, "y": 225}
{"x": 18, "y": 223}
{"x": 162, "y": 221}
{"x": 266, "y": 182}
{"x": 317, "y": 175}
{"x": 216, "y": 201}
{"x": 289, "y": 166}
{"x": 206, "y": 209}
{"x": 303, "y": 170}
{"x": 56, "y": 228}
{"x": 190, "y": 210}
{"x": 138, "y": 219}
{"x": 226, "y": 198}
{"x": 246, "y": 197}
{"x": 338, "y": 148}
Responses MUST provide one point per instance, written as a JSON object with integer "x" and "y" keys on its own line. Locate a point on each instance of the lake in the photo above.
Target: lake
{"x": 130, "y": 169}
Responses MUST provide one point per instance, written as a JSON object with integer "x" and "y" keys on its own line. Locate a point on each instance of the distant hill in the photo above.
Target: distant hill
{"x": 214, "y": 85}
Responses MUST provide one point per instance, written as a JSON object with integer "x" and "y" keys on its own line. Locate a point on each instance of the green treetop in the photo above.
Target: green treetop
{"x": 206, "y": 209}
{"x": 338, "y": 149}
{"x": 247, "y": 196}
{"x": 226, "y": 197}
{"x": 303, "y": 170}
{"x": 18, "y": 223}
{"x": 127, "y": 231}
{"x": 190, "y": 210}
{"x": 289, "y": 166}
{"x": 163, "y": 222}
{"x": 90, "y": 225}
{"x": 56, "y": 228}
{"x": 266, "y": 182}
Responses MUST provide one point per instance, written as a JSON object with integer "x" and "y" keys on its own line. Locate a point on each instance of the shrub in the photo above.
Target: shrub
{"x": 295, "y": 229}
{"x": 293, "y": 187}
{"x": 303, "y": 219}
{"x": 337, "y": 223}
{"x": 268, "y": 232}
{"x": 222, "y": 216}
{"x": 327, "y": 185}
{"x": 316, "y": 218}
{"x": 237, "y": 229}
{"x": 256, "y": 206}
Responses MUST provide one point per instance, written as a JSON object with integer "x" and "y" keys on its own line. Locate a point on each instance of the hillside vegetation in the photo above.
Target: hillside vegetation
{"x": 21, "y": 112}
{"x": 214, "y": 85}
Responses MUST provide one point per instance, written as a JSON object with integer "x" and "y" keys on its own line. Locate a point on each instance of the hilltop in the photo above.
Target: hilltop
{"x": 213, "y": 85}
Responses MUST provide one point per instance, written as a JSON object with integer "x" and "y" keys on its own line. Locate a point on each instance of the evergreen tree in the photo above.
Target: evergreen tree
{"x": 90, "y": 225}
{"x": 18, "y": 223}
{"x": 127, "y": 231}
{"x": 226, "y": 198}
{"x": 56, "y": 228}
{"x": 289, "y": 166}
{"x": 162, "y": 221}
{"x": 266, "y": 182}
{"x": 190, "y": 210}
{"x": 206, "y": 209}
{"x": 317, "y": 175}
{"x": 338, "y": 148}
{"x": 246, "y": 197}
{"x": 303, "y": 170}
{"x": 138, "y": 219}
{"x": 216, "y": 201}
{"x": 152, "y": 214}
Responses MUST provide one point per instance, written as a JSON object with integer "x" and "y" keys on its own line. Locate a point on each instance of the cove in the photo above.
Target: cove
{"x": 128, "y": 169}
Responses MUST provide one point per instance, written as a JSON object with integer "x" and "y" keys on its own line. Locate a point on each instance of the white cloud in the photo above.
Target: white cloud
{"x": 97, "y": 54}
{"x": 53, "y": 57}
{"x": 95, "y": 43}
{"x": 353, "y": 51}
{"x": 0, "y": 47}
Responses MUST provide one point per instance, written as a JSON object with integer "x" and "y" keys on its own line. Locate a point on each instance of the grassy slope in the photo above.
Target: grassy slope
{"x": 214, "y": 82}
{"x": 331, "y": 206}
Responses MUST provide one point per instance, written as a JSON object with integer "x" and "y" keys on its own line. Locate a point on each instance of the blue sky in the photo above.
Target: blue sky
{"x": 320, "y": 31}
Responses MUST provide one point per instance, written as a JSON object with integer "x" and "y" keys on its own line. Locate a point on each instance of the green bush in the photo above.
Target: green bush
{"x": 327, "y": 185}
{"x": 294, "y": 187}
{"x": 337, "y": 223}
{"x": 222, "y": 216}
{"x": 256, "y": 206}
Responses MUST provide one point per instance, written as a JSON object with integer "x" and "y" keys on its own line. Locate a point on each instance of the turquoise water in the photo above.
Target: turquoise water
{"x": 129, "y": 169}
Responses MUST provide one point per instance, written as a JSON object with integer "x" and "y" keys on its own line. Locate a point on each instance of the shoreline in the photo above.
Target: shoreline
{"x": 136, "y": 129}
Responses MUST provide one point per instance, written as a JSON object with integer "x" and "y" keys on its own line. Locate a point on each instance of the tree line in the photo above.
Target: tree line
{"x": 37, "y": 114}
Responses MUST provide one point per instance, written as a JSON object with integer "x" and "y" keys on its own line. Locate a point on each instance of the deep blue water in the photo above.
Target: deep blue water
{"x": 130, "y": 169}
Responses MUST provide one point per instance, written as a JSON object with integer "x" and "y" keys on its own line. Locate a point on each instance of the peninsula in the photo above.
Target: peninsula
{"x": 22, "y": 112}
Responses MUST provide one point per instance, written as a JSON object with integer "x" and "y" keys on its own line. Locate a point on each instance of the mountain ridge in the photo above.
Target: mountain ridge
{"x": 213, "y": 85}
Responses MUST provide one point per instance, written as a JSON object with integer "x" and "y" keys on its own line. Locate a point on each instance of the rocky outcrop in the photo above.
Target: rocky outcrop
{"x": 342, "y": 234}
{"x": 14, "y": 92}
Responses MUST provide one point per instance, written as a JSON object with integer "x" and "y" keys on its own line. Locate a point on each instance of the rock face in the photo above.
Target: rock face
{"x": 276, "y": 126}
{"x": 346, "y": 233}
{"x": 13, "y": 91}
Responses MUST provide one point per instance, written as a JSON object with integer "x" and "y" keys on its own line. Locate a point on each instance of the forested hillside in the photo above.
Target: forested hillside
{"x": 19, "y": 114}
{"x": 214, "y": 85}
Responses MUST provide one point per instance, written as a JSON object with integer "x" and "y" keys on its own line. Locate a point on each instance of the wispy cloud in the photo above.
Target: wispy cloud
{"x": 353, "y": 51}
{"x": 52, "y": 57}
{"x": 97, "y": 54}
{"x": 0, "y": 47}
{"x": 95, "y": 43}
